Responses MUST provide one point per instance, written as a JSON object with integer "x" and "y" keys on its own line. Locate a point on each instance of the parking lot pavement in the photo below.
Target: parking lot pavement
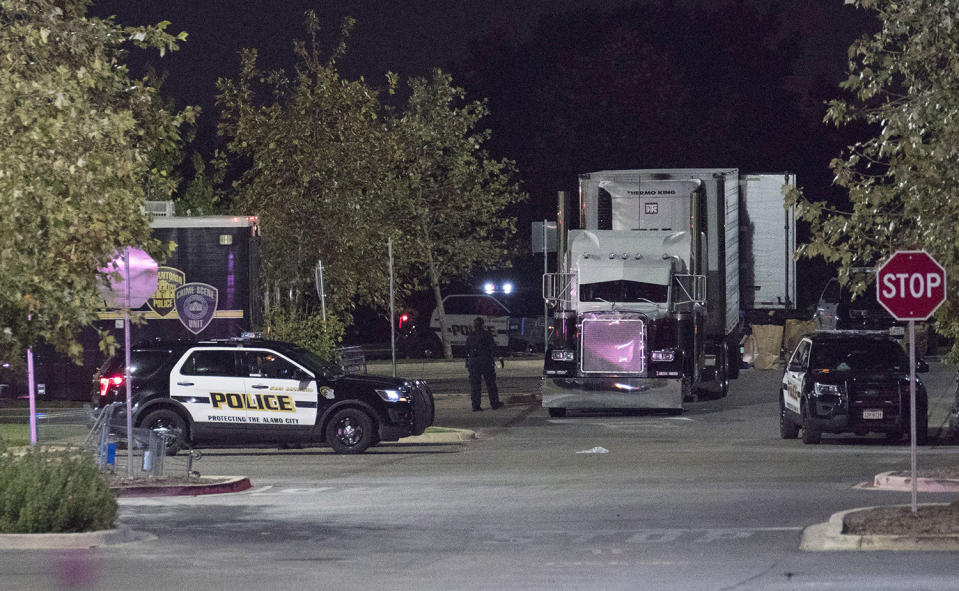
{"x": 423, "y": 369}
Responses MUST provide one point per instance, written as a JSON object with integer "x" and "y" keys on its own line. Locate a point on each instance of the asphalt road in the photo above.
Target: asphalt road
{"x": 712, "y": 499}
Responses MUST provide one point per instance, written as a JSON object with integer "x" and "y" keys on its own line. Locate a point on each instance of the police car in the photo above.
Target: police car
{"x": 260, "y": 392}
{"x": 849, "y": 382}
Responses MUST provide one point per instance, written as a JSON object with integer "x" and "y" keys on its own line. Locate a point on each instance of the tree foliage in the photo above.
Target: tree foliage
{"x": 200, "y": 196}
{"x": 311, "y": 149}
{"x": 449, "y": 196}
{"x": 334, "y": 174}
{"x": 77, "y": 135}
{"x": 903, "y": 86}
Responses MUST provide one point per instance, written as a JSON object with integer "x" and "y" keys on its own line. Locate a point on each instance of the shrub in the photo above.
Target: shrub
{"x": 306, "y": 330}
{"x": 45, "y": 491}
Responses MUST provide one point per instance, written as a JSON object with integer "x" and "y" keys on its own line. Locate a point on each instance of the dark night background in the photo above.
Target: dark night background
{"x": 573, "y": 86}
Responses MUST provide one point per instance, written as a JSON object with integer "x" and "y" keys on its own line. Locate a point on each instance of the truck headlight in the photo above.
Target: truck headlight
{"x": 826, "y": 389}
{"x": 663, "y": 355}
{"x": 392, "y": 395}
{"x": 561, "y": 355}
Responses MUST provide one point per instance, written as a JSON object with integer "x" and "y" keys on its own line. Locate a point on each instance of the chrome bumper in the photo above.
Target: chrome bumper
{"x": 612, "y": 393}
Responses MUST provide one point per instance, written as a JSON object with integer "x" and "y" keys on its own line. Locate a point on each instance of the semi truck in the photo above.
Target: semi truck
{"x": 208, "y": 288}
{"x": 649, "y": 290}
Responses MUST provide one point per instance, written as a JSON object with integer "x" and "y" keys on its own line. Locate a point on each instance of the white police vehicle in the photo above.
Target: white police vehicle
{"x": 260, "y": 392}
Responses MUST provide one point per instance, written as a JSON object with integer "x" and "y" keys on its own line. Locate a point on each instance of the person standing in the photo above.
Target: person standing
{"x": 480, "y": 349}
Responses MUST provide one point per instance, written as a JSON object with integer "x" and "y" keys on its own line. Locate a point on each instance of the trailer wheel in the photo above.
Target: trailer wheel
{"x": 557, "y": 412}
{"x": 733, "y": 360}
{"x": 724, "y": 371}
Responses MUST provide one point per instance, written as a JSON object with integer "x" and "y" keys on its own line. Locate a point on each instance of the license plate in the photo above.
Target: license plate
{"x": 872, "y": 414}
{"x": 897, "y": 331}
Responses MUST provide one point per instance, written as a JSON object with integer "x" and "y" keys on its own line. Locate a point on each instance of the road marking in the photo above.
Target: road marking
{"x": 293, "y": 491}
{"x": 610, "y": 541}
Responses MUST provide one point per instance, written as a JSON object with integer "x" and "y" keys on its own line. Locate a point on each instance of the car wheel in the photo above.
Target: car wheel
{"x": 557, "y": 412}
{"x": 172, "y": 422}
{"x": 350, "y": 431}
{"x": 809, "y": 434}
{"x": 787, "y": 428}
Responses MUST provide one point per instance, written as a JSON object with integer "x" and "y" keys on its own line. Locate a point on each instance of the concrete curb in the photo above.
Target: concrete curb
{"x": 448, "y": 436}
{"x": 902, "y": 482}
{"x": 77, "y": 541}
{"x": 230, "y": 484}
{"x": 828, "y": 537}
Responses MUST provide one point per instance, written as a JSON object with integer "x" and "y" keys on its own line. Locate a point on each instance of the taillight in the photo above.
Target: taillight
{"x": 105, "y": 383}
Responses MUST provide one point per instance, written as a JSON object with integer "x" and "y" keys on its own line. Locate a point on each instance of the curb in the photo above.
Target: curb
{"x": 897, "y": 481}
{"x": 828, "y": 537}
{"x": 230, "y": 485}
{"x": 448, "y": 436}
{"x": 77, "y": 541}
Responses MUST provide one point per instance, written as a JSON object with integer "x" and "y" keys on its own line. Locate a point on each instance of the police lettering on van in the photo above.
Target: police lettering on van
{"x": 462, "y": 309}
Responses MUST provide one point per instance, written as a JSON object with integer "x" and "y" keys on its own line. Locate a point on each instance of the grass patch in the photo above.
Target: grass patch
{"x": 14, "y": 434}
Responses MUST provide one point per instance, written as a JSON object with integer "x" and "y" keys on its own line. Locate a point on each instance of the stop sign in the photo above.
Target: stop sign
{"x": 911, "y": 285}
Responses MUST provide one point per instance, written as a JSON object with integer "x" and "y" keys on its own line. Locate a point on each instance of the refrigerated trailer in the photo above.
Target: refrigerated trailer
{"x": 649, "y": 291}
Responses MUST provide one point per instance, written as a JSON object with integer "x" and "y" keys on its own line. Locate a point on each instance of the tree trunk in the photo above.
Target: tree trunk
{"x": 438, "y": 298}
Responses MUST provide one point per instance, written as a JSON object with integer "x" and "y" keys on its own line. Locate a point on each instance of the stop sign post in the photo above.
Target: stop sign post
{"x": 911, "y": 285}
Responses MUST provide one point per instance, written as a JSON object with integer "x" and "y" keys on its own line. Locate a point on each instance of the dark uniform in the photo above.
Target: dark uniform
{"x": 480, "y": 350}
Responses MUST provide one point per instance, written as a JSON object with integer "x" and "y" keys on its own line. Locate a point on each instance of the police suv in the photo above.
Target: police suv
{"x": 260, "y": 392}
{"x": 850, "y": 382}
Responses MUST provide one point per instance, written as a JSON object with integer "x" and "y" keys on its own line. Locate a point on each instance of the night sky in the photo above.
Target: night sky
{"x": 411, "y": 37}
{"x": 467, "y": 38}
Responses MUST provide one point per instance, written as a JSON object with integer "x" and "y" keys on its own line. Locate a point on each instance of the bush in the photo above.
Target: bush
{"x": 44, "y": 491}
{"x": 306, "y": 330}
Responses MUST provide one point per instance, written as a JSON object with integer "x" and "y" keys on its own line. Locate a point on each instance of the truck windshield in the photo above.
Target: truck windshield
{"x": 623, "y": 291}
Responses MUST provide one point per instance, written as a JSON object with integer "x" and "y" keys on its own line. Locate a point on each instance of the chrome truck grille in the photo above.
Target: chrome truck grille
{"x": 614, "y": 345}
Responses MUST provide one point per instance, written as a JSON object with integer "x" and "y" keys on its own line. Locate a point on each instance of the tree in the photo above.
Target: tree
{"x": 903, "y": 87}
{"x": 76, "y": 136}
{"x": 200, "y": 195}
{"x": 311, "y": 150}
{"x": 449, "y": 196}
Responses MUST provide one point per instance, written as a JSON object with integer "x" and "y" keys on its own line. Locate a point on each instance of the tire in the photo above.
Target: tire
{"x": 724, "y": 371}
{"x": 733, "y": 360}
{"x": 810, "y": 436}
{"x": 787, "y": 428}
{"x": 557, "y": 412}
{"x": 349, "y": 431}
{"x": 169, "y": 419}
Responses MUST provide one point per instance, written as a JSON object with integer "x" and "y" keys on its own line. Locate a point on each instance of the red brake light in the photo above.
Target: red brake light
{"x": 105, "y": 383}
